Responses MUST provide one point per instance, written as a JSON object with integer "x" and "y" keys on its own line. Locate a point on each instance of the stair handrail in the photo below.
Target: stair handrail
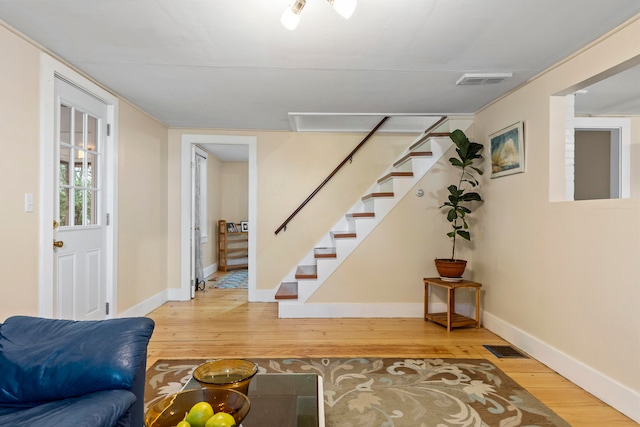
{"x": 349, "y": 157}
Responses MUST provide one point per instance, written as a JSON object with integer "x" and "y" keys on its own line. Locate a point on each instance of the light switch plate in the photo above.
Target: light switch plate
{"x": 28, "y": 202}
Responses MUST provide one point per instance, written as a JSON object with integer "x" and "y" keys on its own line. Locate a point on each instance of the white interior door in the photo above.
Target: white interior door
{"x": 79, "y": 265}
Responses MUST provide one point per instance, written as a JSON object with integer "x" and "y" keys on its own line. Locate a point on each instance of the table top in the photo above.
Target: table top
{"x": 450, "y": 284}
{"x": 283, "y": 400}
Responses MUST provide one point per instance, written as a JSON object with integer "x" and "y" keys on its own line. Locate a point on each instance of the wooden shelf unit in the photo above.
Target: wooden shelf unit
{"x": 232, "y": 246}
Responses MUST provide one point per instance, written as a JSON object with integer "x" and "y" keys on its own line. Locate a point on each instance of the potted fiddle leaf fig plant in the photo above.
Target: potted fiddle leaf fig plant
{"x": 458, "y": 202}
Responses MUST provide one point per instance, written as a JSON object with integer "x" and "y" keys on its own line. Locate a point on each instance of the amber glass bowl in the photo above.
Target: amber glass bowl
{"x": 235, "y": 374}
{"x": 171, "y": 410}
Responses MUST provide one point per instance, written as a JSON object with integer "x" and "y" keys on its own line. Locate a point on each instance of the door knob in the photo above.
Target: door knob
{"x": 58, "y": 243}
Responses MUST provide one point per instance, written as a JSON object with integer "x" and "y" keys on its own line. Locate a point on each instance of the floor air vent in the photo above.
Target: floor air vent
{"x": 504, "y": 351}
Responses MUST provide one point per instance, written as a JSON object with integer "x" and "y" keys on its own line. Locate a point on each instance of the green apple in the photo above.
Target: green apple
{"x": 221, "y": 419}
{"x": 199, "y": 414}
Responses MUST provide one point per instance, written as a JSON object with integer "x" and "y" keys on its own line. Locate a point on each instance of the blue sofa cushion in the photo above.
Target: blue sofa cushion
{"x": 103, "y": 408}
{"x": 43, "y": 359}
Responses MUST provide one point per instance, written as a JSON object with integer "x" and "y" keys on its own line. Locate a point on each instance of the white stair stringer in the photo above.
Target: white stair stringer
{"x": 380, "y": 206}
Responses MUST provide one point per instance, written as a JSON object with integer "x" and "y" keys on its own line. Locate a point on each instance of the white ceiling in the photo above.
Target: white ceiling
{"x": 230, "y": 64}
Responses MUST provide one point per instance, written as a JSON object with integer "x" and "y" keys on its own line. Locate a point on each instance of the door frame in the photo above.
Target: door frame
{"x": 186, "y": 143}
{"x": 49, "y": 69}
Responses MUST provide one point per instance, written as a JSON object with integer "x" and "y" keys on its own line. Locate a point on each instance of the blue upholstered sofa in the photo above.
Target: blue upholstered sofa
{"x": 73, "y": 373}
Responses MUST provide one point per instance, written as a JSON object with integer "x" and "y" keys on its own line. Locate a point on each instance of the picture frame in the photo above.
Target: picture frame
{"x": 507, "y": 150}
{"x": 231, "y": 228}
{"x": 244, "y": 226}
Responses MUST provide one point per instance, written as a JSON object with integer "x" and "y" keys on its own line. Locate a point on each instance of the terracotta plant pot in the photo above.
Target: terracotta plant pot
{"x": 450, "y": 267}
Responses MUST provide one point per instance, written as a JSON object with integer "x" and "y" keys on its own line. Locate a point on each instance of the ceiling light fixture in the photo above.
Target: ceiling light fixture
{"x": 291, "y": 16}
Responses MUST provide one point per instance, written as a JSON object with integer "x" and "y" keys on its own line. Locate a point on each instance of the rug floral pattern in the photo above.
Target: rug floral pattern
{"x": 366, "y": 392}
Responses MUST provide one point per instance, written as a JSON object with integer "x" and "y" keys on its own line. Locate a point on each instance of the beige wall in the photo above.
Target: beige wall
{"x": 19, "y": 174}
{"x": 234, "y": 192}
{"x": 142, "y": 236}
{"x": 142, "y": 207}
{"x": 564, "y": 273}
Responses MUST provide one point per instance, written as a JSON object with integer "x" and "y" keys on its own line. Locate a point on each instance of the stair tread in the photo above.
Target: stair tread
{"x": 307, "y": 272}
{"x": 343, "y": 234}
{"x": 427, "y": 136}
{"x": 287, "y": 290}
{"x": 325, "y": 252}
{"x": 361, "y": 215}
{"x": 374, "y": 195}
{"x": 412, "y": 155}
{"x": 395, "y": 175}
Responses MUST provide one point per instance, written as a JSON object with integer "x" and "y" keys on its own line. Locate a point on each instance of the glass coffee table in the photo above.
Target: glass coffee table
{"x": 283, "y": 400}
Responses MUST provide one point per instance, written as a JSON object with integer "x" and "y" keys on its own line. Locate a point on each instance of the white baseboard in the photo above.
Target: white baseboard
{"x": 209, "y": 270}
{"x": 610, "y": 391}
{"x": 257, "y": 295}
{"x": 147, "y": 306}
{"x": 293, "y": 309}
{"x": 296, "y": 310}
{"x": 150, "y": 304}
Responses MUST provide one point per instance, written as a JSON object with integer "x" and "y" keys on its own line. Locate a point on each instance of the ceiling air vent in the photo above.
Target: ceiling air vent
{"x": 474, "y": 79}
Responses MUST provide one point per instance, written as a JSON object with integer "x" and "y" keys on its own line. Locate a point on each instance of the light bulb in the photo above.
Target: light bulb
{"x": 344, "y": 7}
{"x": 291, "y": 17}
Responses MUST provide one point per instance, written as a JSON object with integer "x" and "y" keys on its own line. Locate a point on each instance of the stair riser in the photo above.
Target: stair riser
{"x": 388, "y": 185}
{"x": 425, "y": 146}
{"x": 352, "y": 224}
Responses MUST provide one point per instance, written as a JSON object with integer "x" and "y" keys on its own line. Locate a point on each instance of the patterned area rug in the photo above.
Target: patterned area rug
{"x": 367, "y": 392}
{"x": 234, "y": 279}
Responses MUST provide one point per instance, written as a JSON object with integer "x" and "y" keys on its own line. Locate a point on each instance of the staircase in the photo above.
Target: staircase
{"x": 336, "y": 246}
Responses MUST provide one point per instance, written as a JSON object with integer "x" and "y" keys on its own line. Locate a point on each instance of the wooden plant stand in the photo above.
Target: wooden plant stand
{"x": 450, "y": 318}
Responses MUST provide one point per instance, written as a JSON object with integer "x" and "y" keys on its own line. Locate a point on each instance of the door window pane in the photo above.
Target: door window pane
{"x": 65, "y": 124}
{"x": 65, "y": 155}
{"x": 79, "y": 160}
{"x": 77, "y": 207}
{"x": 92, "y": 170}
{"x": 92, "y": 136}
{"x": 91, "y": 207}
{"x": 78, "y": 127}
{"x": 64, "y": 206}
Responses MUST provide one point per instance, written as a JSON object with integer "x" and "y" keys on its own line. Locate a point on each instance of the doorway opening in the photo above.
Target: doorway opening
{"x": 188, "y": 142}
{"x": 599, "y": 149}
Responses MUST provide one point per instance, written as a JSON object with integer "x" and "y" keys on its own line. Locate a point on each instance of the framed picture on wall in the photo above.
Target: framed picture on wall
{"x": 507, "y": 150}
{"x": 244, "y": 226}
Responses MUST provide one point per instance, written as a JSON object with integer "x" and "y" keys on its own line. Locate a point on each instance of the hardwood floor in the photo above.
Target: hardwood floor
{"x": 221, "y": 323}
